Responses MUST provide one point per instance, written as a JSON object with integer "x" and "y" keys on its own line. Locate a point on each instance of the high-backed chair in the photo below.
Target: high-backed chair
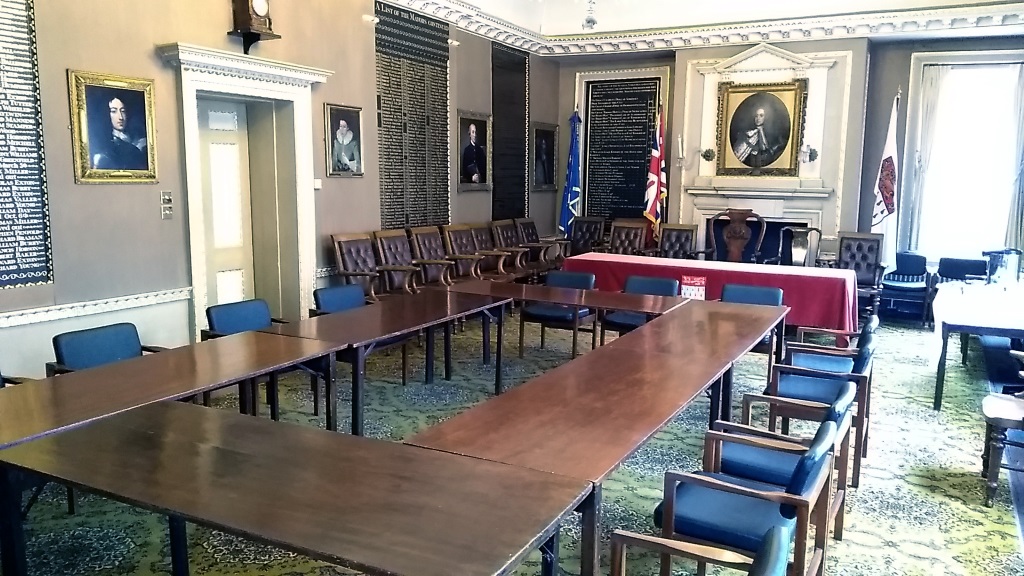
{"x": 556, "y": 248}
{"x": 678, "y": 241}
{"x": 586, "y": 232}
{"x": 909, "y": 282}
{"x": 803, "y": 247}
{"x": 428, "y": 246}
{"x": 514, "y": 259}
{"x": 470, "y": 261}
{"x": 508, "y": 237}
{"x": 627, "y": 237}
{"x": 395, "y": 249}
{"x": 559, "y": 316}
{"x": 357, "y": 262}
{"x": 772, "y": 559}
{"x": 736, "y": 235}
{"x": 622, "y": 321}
{"x": 716, "y": 510}
{"x": 862, "y": 253}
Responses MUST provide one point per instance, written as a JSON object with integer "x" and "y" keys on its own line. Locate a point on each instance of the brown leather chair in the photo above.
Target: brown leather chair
{"x": 357, "y": 263}
{"x": 507, "y": 237}
{"x": 514, "y": 260}
{"x": 428, "y": 245}
{"x": 471, "y": 262}
{"x": 528, "y": 232}
{"x": 396, "y": 250}
{"x": 678, "y": 241}
{"x": 737, "y": 234}
{"x": 627, "y": 237}
{"x": 862, "y": 253}
{"x": 586, "y": 232}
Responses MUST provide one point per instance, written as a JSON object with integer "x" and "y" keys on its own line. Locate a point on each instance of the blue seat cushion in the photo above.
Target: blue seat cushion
{"x": 905, "y": 286}
{"x": 624, "y": 321}
{"x": 761, "y": 464}
{"x": 725, "y": 518}
{"x": 823, "y": 362}
{"x": 541, "y": 312}
{"x": 93, "y": 347}
{"x": 821, "y": 390}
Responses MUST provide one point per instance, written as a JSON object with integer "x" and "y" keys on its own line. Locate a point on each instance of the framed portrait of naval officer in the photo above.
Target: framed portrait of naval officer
{"x": 760, "y": 128}
{"x": 112, "y": 128}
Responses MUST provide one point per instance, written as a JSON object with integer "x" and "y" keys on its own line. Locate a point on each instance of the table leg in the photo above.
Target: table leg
{"x": 940, "y": 375}
{"x": 12, "y": 534}
{"x": 273, "y": 398}
{"x": 726, "y": 400}
{"x": 575, "y": 329}
{"x": 358, "y": 376}
{"x": 500, "y": 318}
{"x": 179, "y": 546}
{"x": 549, "y": 555}
{"x": 331, "y": 392}
{"x": 428, "y": 376}
{"x": 486, "y": 321}
{"x": 965, "y": 340}
{"x": 243, "y": 397}
{"x": 985, "y": 450}
{"x": 254, "y": 397}
{"x": 716, "y": 402}
{"x": 995, "y": 460}
{"x": 447, "y": 350}
{"x": 590, "y": 551}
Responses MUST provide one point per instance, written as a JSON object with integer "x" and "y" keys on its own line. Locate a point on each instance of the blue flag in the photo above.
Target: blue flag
{"x": 571, "y": 193}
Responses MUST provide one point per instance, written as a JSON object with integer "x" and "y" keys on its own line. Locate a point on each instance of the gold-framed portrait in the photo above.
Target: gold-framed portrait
{"x": 474, "y": 151}
{"x": 113, "y": 134}
{"x": 545, "y": 157}
{"x": 344, "y": 140}
{"x": 760, "y": 128}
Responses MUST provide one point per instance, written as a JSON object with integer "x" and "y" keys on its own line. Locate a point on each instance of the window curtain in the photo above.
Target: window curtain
{"x": 932, "y": 78}
{"x": 1015, "y": 226}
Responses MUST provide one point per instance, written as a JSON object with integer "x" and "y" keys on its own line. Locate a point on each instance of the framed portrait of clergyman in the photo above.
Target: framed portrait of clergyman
{"x": 344, "y": 140}
{"x": 474, "y": 151}
{"x": 760, "y": 128}
{"x": 544, "y": 148}
{"x": 113, "y": 137}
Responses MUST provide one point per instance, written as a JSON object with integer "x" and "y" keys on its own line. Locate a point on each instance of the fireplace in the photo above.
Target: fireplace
{"x": 770, "y": 246}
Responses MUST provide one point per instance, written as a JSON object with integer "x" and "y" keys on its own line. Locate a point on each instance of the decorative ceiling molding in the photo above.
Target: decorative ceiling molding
{"x": 947, "y": 22}
{"x": 221, "y": 62}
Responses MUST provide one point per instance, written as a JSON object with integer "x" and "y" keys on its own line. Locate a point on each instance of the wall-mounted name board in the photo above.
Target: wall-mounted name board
{"x": 25, "y": 256}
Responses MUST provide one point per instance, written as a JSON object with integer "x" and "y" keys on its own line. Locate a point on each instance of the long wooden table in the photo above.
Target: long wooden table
{"x": 585, "y": 417}
{"x": 598, "y": 299}
{"x": 360, "y": 329}
{"x": 375, "y": 506}
{"x": 41, "y": 407}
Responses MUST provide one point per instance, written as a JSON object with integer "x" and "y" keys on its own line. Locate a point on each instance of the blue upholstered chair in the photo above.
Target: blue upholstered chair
{"x": 557, "y": 315}
{"x": 92, "y": 347}
{"x": 909, "y": 282}
{"x": 622, "y": 321}
{"x": 771, "y": 559}
{"x": 760, "y": 295}
{"x": 718, "y": 510}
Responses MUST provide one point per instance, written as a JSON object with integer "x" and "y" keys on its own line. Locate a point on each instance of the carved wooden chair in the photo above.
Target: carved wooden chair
{"x": 514, "y": 261}
{"x": 427, "y": 246}
{"x": 471, "y": 262}
{"x": 395, "y": 249}
{"x": 508, "y": 237}
{"x": 803, "y": 248}
{"x": 586, "y": 232}
{"x": 862, "y": 253}
{"x": 357, "y": 263}
{"x": 736, "y": 235}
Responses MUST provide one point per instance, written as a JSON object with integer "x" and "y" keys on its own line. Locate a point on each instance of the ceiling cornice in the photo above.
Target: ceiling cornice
{"x": 936, "y": 21}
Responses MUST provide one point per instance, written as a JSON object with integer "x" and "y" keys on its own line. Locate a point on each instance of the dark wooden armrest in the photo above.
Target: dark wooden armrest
{"x": 515, "y": 249}
{"x": 154, "y": 349}
{"x": 357, "y": 274}
{"x": 54, "y": 368}
{"x": 737, "y": 428}
{"x": 649, "y": 252}
{"x": 716, "y": 484}
{"x": 465, "y": 256}
{"x": 821, "y": 350}
{"x": 207, "y": 334}
{"x": 800, "y": 332}
{"x": 784, "y": 445}
{"x": 391, "y": 268}
{"x": 14, "y": 380}
{"x": 679, "y": 548}
{"x": 278, "y": 321}
{"x": 433, "y": 262}
{"x": 494, "y": 252}
{"x": 535, "y": 245}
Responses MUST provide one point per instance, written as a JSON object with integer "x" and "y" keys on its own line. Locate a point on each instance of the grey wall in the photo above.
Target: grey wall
{"x": 544, "y": 108}
{"x": 471, "y": 91}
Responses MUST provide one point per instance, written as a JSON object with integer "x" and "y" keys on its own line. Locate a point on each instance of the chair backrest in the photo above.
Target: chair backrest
{"x": 910, "y": 264}
{"x": 865, "y": 351}
{"x": 802, "y": 250}
{"x": 506, "y": 233}
{"x": 772, "y": 558}
{"x": 961, "y": 268}
{"x": 861, "y": 253}
{"x": 577, "y": 280}
{"x": 458, "y": 240}
{"x": 652, "y": 286}
{"x": 427, "y": 244}
{"x": 586, "y": 231}
{"x": 743, "y": 294}
{"x": 677, "y": 240}
{"x": 528, "y": 230}
{"x": 338, "y": 298}
{"x": 484, "y": 238}
{"x": 93, "y": 347}
{"x": 736, "y": 234}
{"x": 812, "y": 463}
{"x": 395, "y": 250}
{"x": 355, "y": 253}
{"x": 627, "y": 237}
{"x": 235, "y": 317}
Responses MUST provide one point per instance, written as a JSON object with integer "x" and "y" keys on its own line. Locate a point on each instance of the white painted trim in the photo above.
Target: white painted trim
{"x": 77, "y": 309}
{"x": 208, "y": 71}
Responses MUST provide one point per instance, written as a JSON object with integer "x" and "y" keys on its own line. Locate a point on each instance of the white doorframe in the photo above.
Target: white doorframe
{"x": 209, "y": 71}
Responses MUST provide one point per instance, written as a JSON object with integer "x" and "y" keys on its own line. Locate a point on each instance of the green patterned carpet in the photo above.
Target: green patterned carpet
{"x": 918, "y": 510}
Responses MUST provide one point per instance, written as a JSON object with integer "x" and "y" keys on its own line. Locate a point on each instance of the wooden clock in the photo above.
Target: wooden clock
{"x": 252, "y": 22}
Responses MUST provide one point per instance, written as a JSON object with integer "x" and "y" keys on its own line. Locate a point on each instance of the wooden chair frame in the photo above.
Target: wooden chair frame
{"x": 376, "y": 284}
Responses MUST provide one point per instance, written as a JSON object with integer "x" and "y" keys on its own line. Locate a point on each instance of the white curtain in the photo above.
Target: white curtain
{"x": 932, "y": 78}
{"x": 1015, "y": 226}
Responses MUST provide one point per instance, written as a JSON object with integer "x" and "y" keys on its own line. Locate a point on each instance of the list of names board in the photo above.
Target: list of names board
{"x": 620, "y": 116}
{"x": 24, "y": 218}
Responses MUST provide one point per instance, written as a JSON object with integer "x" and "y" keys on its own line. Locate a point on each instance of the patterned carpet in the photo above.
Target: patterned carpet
{"x": 918, "y": 510}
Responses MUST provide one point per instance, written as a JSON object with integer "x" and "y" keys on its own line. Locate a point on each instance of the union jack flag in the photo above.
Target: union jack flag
{"x": 657, "y": 185}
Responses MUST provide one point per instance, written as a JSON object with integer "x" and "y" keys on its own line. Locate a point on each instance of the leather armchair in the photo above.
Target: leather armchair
{"x": 470, "y": 260}
{"x": 586, "y": 232}
{"x": 428, "y": 246}
{"x": 559, "y": 316}
{"x": 396, "y": 252}
{"x": 862, "y": 253}
{"x": 514, "y": 258}
{"x": 678, "y": 241}
{"x": 528, "y": 232}
{"x": 533, "y": 255}
{"x": 627, "y": 237}
{"x": 357, "y": 263}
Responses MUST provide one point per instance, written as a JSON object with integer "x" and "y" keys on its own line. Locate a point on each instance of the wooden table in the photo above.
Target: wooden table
{"x": 40, "y": 407}
{"x": 982, "y": 309}
{"x": 585, "y": 417}
{"x": 818, "y": 297}
{"x": 598, "y": 299}
{"x": 374, "y": 506}
{"x": 361, "y": 328}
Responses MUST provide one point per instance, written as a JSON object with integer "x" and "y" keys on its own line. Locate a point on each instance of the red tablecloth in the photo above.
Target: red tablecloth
{"x": 819, "y": 297}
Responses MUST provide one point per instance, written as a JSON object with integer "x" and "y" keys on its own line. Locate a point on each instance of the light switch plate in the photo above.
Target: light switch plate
{"x": 166, "y": 212}
{"x": 318, "y": 184}
{"x": 165, "y": 197}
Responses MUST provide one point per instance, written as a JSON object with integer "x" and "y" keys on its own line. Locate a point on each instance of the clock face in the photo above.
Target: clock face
{"x": 261, "y": 7}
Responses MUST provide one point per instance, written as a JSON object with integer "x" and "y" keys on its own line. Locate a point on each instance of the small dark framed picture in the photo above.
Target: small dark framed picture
{"x": 474, "y": 151}
{"x": 112, "y": 128}
{"x": 760, "y": 128}
{"x": 344, "y": 140}
{"x": 545, "y": 156}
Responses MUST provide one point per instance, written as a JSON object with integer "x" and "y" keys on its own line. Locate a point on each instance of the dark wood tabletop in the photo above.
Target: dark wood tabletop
{"x": 388, "y": 318}
{"x": 584, "y": 417}
{"x": 375, "y": 506}
{"x": 571, "y": 297}
{"x": 40, "y": 407}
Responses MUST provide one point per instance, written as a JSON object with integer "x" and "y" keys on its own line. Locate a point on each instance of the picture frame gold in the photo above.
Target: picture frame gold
{"x": 467, "y": 161}
{"x": 543, "y": 157}
{"x": 344, "y": 159}
{"x": 113, "y": 130}
{"x": 760, "y": 128}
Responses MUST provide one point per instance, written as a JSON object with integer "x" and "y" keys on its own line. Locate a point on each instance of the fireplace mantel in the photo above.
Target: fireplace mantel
{"x": 761, "y": 193}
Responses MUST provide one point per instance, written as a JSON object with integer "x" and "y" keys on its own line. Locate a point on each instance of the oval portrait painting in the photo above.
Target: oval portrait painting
{"x": 759, "y": 129}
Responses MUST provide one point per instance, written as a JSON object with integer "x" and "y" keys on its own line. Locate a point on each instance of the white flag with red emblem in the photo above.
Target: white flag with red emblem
{"x": 884, "y": 216}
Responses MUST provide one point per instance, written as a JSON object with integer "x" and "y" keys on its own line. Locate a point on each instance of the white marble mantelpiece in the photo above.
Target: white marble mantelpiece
{"x": 763, "y": 193}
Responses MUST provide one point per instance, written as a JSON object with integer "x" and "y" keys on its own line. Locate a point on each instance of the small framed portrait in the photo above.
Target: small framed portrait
{"x": 474, "y": 151}
{"x": 344, "y": 140}
{"x": 545, "y": 156}
{"x": 112, "y": 129}
{"x": 760, "y": 128}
